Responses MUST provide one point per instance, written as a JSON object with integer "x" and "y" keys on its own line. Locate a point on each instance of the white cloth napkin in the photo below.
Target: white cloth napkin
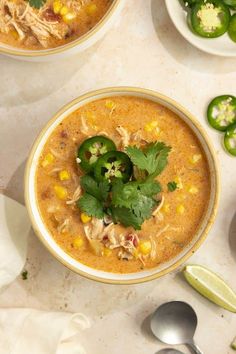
{"x": 24, "y": 331}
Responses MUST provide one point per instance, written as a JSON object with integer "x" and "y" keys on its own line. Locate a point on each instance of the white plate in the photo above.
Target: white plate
{"x": 222, "y": 46}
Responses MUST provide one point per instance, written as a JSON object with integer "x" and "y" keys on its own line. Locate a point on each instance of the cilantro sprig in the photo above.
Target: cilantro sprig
{"x": 152, "y": 159}
{"x": 36, "y": 3}
{"x": 128, "y": 203}
{"x": 172, "y": 186}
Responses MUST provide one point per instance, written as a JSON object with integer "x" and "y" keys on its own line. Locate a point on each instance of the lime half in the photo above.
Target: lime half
{"x": 233, "y": 344}
{"x": 211, "y": 286}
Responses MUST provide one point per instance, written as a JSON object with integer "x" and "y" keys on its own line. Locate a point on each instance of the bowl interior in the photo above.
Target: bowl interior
{"x": 43, "y": 233}
{"x": 222, "y": 46}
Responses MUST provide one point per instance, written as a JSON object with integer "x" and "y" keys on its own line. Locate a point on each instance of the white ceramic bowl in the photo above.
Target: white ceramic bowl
{"x": 47, "y": 239}
{"x": 222, "y": 46}
{"x": 74, "y": 47}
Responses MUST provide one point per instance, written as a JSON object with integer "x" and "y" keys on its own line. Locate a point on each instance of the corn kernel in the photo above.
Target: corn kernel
{"x": 180, "y": 209}
{"x": 85, "y": 218}
{"x": 48, "y": 159}
{"x": 14, "y": 34}
{"x": 178, "y": 180}
{"x": 70, "y": 16}
{"x": 166, "y": 208}
{"x": 149, "y": 127}
{"x": 110, "y": 104}
{"x": 78, "y": 242}
{"x": 64, "y": 175}
{"x": 193, "y": 190}
{"x": 107, "y": 252}
{"x": 136, "y": 253}
{"x": 64, "y": 10}
{"x": 61, "y": 192}
{"x": 195, "y": 158}
{"x": 145, "y": 247}
{"x": 91, "y": 9}
{"x": 57, "y": 5}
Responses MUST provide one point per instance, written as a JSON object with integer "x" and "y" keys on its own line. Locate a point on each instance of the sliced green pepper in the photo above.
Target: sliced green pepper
{"x": 232, "y": 28}
{"x": 113, "y": 164}
{"x": 230, "y": 2}
{"x": 91, "y": 149}
{"x": 221, "y": 112}
{"x": 210, "y": 18}
{"x": 230, "y": 139}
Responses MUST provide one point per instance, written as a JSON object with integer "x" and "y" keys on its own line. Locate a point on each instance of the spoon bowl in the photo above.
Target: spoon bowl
{"x": 175, "y": 323}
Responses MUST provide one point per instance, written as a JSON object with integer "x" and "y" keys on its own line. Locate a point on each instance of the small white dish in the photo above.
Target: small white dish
{"x": 221, "y": 46}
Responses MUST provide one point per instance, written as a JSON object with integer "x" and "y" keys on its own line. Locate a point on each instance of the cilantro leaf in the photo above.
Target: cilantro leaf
{"x": 143, "y": 207}
{"x": 150, "y": 188}
{"x": 152, "y": 159}
{"x": 91, "y": 206}
{"x": 37, "y": 3}
{"x": 135, "y": 198}
{"x": 126, "y": 217}
{"x": 172, "y": 186}
{"x": 98, "y": 190}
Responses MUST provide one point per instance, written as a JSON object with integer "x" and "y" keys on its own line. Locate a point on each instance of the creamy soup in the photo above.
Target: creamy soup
{"x": 39, "y": 24}
{"x": 104, "y": 242}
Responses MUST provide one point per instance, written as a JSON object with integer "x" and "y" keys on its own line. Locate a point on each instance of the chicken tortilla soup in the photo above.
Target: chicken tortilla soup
{"x": 122, "y": 184}
{"x": 42, "y": 24}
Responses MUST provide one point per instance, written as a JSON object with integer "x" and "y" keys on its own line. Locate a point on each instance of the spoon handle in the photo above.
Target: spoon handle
{"x": 195, "y": 348}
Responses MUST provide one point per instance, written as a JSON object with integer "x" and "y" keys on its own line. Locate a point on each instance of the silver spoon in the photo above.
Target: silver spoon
{"x": 175, "y": 323}
{"x": 169, "y": 351}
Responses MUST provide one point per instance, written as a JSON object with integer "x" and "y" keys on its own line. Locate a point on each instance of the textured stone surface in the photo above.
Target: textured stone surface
{"x": 143, "y": 49}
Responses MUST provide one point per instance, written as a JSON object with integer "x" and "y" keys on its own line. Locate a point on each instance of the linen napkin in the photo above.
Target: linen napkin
{"x": 22, "y": 330}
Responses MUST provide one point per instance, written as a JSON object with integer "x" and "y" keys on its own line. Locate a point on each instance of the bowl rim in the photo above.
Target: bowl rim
{"x": 197, "y": 45}
{"x": 18, "y": 52}
{"x": 119, "y": 90}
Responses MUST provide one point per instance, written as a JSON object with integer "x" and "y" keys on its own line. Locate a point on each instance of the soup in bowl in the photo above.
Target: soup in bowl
{"x": 40, "y": 28}
{"x": 122, "y": 185}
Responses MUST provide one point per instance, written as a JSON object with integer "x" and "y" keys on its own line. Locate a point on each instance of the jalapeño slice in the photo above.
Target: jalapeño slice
{"x": 91, "y": 149}
{"x": 221, "y": 112}
{"x": 210, "y": 18}
{"x": 232, "y": 28}
{"x": 230, "y": 139}
{"x": 113, "y": 164}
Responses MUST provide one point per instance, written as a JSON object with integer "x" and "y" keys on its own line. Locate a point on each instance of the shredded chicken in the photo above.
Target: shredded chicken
{"x": 84, "y": 126}
{"x": 76, "y": 196}
{"x": 59, "y": 155}
{"x": 137, "y": 138}
{"x": 125, "y": 255}
{"x": 162, "y": 231}
{"x": 158, "y": 208}
{"x": 64, "y": 227}
{"x": 153, "y": 253}
{"x": 125, "y": 136}
{"x": 95, "y": 229}
{"x": 26, "y": 20}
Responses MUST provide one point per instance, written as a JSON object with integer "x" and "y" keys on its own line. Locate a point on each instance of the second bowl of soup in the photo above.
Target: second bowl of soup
{"x": 122, "y": 185}
{"x": 50, "y": 29}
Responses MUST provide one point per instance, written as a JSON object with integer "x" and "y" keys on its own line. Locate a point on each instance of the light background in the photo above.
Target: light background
{"x": 143, "y": 49}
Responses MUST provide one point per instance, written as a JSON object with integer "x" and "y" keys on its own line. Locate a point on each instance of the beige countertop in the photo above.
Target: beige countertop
{"x": 143, "y": 49}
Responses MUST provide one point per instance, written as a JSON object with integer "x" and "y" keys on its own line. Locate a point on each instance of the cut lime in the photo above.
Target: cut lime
{"x": 211, "y": 286}
{"x": 233, "y": 344}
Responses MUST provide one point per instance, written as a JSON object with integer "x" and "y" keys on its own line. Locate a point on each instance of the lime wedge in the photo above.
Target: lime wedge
{"x": 233, "y": 344}
{"x": 211, "y": 286}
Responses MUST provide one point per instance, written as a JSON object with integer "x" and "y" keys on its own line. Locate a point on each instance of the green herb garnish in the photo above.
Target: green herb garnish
{"x": 24, "y": 275}
{"x": 153, "y": 159}
{"x": 172, "y": 186}
{"x": 37, "y": 3}
{"x": 129, "y": 203}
